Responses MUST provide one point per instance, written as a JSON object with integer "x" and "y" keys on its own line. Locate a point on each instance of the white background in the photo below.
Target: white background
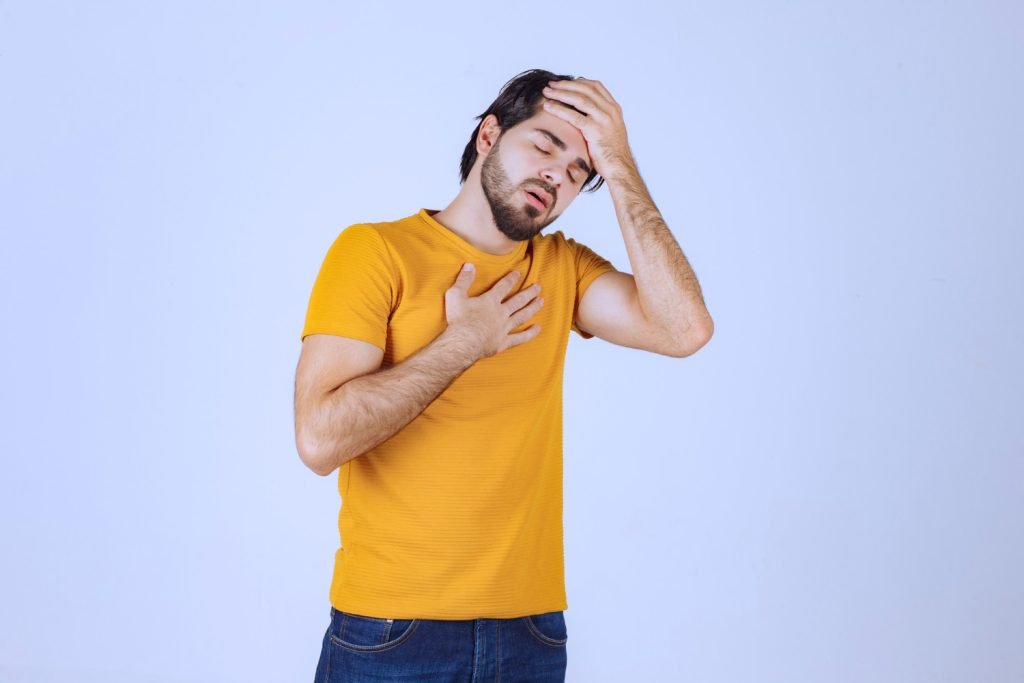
{"x": 831, "y": 490}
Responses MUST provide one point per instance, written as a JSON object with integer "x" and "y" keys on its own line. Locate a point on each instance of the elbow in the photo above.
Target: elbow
{"x": 322, "y": 467}
{"x": 707, "y": 330}
{"x": 695, "y": 339}
{"x": 314, "y": 456}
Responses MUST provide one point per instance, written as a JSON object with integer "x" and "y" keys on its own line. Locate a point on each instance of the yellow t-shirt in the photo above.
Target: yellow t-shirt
{"x": 459, "y": 514}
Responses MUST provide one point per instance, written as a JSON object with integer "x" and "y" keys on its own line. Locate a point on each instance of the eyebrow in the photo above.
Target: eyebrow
{"x": 557, "y": 141}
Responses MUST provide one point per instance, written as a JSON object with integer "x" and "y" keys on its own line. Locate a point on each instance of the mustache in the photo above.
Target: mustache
{"x": 549, "y": 190}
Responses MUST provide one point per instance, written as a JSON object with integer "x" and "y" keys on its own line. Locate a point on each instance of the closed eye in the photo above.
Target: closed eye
{"x": 544, "y": 151}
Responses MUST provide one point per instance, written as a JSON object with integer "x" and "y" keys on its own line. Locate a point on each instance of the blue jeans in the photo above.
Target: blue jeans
{"x": 358, "y": 649}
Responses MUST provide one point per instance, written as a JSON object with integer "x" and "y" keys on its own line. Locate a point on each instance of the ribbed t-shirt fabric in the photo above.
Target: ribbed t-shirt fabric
{"x": 458, "y": 515}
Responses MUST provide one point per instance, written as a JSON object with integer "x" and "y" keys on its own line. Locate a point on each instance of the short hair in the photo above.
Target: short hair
{"x": 519, "y": 99}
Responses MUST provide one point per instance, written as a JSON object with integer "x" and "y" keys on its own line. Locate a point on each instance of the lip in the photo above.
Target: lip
{"x": 545, "y": 198}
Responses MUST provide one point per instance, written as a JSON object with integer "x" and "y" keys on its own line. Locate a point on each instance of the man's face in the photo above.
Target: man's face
{"x": 543, "y": 154}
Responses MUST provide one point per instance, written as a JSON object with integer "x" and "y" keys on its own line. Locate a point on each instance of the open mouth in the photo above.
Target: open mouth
{"x": 535, "y": 199}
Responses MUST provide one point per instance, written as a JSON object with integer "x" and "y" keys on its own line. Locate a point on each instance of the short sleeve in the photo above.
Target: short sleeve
{"x": 353, "y": 294}
{"x": 589, "y": 265}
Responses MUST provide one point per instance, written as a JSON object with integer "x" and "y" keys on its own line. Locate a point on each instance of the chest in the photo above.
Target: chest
{"x": 419, "y": 316}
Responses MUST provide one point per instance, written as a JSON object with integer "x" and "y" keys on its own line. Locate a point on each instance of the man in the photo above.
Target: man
{"x": 437, "y": 389}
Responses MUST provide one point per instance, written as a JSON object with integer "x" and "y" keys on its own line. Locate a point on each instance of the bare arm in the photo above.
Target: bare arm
{"x": 667, "y": 290}
{"x": 664, "y": 297}
{"x": 367, "y": 410}
{"x": 362, "y": 412}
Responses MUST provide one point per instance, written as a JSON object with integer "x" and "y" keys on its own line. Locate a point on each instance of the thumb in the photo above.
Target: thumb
{"x": 465, "y": 278}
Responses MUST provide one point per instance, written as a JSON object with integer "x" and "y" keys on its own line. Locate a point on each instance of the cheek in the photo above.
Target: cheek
{"x": 517, "y": 174}
{"x": 519, "y": 169}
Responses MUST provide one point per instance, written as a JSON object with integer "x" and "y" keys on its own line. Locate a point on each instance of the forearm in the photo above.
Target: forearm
{"x": 367, "y": 410}
{"x": 669, "y": 294}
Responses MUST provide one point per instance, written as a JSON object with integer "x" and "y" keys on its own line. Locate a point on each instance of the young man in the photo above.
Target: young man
{"x": 431, "y": 375}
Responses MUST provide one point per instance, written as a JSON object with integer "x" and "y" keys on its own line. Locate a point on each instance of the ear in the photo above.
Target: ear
{"x": 489, "y": 132}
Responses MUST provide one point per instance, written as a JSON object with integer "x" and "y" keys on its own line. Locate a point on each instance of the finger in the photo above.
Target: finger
{"x": 465, "y": 277}
{"x": 584, "y": 101}
{"x": 590, "y": 97}
{"x": 599, "y": 86}
{"x": 525, "y": 313}
{"x": 524, "y": 336}
{"x": 522, "y": 298}
{"x": 503, "y": 286}
{"x": 566, "y": 114}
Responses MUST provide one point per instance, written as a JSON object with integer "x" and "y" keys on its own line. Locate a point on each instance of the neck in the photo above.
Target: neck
{"x": 469, "y": 216}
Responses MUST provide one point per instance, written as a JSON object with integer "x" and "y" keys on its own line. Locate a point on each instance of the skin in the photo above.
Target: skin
{"x": 491, "y": 211}
{"x": 659, "y": 307}
{"x": 346, "y": 404}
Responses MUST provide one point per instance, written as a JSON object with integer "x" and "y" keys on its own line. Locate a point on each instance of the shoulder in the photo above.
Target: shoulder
{"x": 382, "y": 237}
{"x": 559, "y": 241}
{"x": 392, "y": 235}
{"x": 358, "y": 238}
{"x": 553, "y": 243}
{"x": 362, "y": 248}
{"x": 565, "y": 248}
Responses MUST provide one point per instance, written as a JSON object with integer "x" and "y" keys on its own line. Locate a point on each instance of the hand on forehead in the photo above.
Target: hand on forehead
{"x": 570, "y": 134}
{"x": 567, "y": 133}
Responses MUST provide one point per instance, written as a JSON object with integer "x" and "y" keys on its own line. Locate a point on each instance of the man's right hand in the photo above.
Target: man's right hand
{"x": 484, "y": 321}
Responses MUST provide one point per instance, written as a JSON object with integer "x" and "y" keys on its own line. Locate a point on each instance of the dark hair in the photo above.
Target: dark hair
{"x": 519, "y": 99}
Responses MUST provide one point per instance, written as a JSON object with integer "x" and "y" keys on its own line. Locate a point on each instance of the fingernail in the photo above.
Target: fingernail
{"x": 468, "y": 266}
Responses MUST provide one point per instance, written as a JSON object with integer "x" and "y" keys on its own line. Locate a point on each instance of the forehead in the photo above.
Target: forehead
{"x": 574, "y": 141}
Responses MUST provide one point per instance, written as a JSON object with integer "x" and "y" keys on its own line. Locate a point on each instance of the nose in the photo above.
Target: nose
{"x": 554, "y": 180}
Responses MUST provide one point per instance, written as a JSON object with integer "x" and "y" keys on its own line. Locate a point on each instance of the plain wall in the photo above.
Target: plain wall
{"x": 831, "y": 490}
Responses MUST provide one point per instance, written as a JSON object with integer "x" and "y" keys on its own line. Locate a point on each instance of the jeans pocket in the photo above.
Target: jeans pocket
{"x": 548, "y": 628}
{"x": 369, "y": 634}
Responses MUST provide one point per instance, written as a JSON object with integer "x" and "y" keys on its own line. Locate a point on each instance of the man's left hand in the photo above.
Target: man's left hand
{"x": 600, "y": 122}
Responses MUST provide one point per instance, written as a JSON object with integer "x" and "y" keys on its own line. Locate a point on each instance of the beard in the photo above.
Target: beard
{"x": 514, "y": 215}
